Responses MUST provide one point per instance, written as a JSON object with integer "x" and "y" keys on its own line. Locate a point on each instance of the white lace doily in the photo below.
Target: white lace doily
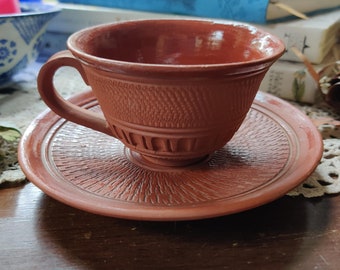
{"x": 326, "y": 178}
{"x": 20, "y": 106}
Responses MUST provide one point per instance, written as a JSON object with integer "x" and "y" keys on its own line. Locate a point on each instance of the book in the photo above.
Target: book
{"x": 292, "y": 81}
{"x": 314, "y": 37}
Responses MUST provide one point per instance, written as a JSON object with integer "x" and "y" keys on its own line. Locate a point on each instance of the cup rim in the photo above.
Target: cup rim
{"x": 105, "y": 64}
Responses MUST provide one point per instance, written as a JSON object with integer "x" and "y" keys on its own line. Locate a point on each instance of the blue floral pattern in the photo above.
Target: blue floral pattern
{"x": 8, "y": 51}
{"x": 21, "y": 37}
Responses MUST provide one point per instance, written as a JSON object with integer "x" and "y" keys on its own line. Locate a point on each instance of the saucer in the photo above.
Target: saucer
{"x": 276, "y": 148}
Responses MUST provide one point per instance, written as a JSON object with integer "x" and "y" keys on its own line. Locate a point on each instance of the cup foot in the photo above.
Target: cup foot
{"x": 163, "y": 164}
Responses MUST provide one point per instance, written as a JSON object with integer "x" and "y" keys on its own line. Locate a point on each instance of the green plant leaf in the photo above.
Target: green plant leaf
{"x": 9, "y": 134}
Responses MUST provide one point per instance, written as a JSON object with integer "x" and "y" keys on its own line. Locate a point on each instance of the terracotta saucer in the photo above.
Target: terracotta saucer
{"x": 276, "y": 148}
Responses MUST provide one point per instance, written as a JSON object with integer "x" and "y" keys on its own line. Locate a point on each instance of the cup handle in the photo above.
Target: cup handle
{"x": 58, "y": 104}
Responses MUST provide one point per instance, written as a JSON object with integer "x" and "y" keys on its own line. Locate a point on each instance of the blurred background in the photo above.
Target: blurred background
{"x": 312, "y": 27}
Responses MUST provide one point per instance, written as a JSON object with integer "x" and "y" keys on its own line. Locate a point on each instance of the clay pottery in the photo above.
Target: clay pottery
{"x": 173, "y": 91}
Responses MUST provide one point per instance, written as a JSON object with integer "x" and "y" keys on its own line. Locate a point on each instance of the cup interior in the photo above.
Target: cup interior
{"x": 177, "y": 42}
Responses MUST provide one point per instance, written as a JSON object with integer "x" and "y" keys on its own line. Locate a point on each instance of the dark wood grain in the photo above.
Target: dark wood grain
{"x": 38, "y": 232}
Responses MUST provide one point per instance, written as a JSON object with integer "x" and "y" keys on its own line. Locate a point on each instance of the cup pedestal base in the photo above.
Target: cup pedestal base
{"x": 163, "y": 164}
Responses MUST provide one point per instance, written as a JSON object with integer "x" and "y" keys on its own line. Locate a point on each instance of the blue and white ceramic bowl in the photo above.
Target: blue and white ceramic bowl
{"x": 21, "y": 37}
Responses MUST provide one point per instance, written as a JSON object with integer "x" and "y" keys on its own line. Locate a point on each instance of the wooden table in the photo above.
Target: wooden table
{"x": 38, "y": 232}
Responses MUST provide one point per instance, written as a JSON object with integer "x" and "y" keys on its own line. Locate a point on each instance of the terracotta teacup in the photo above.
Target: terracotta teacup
{"x": 173, "y": 91}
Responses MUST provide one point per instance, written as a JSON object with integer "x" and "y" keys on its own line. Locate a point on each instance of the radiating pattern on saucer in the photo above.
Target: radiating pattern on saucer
{"x": 100, "y": 165}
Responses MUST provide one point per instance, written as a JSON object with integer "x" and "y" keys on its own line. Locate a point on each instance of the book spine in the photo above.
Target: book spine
{"x": 290, "y": 81}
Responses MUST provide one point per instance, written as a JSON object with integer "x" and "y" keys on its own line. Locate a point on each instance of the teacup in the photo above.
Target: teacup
{"x": 173, "y": 91}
